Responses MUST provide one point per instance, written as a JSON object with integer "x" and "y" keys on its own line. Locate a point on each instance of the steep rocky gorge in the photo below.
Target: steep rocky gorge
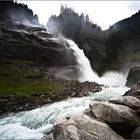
{"x": 50, "y": 58}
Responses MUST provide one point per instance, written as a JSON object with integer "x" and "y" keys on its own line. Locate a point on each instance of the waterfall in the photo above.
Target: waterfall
{"x": 85, "y": 71}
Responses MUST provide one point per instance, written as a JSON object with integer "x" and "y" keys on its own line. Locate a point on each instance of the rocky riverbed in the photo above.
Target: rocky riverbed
{"x": 118, "y": 118}
{"x": 69, "y": 89}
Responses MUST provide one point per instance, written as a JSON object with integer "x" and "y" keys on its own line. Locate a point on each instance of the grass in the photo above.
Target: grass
{"x": 29, "y": 88}
{"x": 13, "y": 79}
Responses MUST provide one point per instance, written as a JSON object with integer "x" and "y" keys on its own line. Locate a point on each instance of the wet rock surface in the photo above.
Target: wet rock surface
{"x": 81, "y": 127}
{"x": 129, "y": 101}
{"x": 133, "y": 77}
{"x": 34, "y": 44}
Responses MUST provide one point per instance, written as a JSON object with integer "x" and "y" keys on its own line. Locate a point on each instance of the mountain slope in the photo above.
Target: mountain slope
{"x": 123, "y": 42}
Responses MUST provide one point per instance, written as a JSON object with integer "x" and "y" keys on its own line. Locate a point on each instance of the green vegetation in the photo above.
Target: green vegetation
{"x": 22, "y": 78}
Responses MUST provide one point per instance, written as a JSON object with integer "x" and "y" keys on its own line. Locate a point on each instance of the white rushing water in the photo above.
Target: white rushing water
{"x": 87, "y": 74}
{"x": 36, "y": 123}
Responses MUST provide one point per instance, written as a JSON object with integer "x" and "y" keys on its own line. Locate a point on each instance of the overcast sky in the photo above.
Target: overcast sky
{"x": 103, "y": 13}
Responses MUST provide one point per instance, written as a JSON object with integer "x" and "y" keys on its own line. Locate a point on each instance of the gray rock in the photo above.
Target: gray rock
{"x": 133, "y": 77}
{"x": 82, "y": 127}
{"x": 22, "y": 43}
{"x": 119, "y": 117}
{"x": 129, "y": 101}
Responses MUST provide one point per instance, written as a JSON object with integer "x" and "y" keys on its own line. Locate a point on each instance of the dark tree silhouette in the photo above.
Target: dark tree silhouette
{"x": 80, "y": 29}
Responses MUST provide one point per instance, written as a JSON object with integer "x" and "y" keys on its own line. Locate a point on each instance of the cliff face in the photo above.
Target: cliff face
{"x": 34, "y": 44}
{"x": 29, "y": 41}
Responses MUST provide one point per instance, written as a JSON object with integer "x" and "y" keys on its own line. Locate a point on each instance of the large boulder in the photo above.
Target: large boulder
{"x": 81, "y": 127}
{"x": 121, "y": 118}
{"x": 133, "y": 77}
{"x": 129, "y": 101}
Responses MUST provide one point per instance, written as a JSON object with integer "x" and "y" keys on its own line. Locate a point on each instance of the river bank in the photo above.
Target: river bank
{"x": 13, "y": 103}
{"x": 38, "y": 123}
{"x": 25, "y": 85}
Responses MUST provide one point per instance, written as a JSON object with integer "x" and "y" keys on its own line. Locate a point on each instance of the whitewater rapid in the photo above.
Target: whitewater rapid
{"x": 35, "y": 124}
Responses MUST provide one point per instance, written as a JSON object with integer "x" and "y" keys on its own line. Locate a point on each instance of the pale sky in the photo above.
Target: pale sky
{"x": 103, "y": 13}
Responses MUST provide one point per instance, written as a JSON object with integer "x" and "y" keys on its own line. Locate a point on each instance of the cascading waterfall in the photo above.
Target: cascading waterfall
{"x": 85, "y": 71}
{"x": 38, "y": 122}
{"x": 87, "y": 74}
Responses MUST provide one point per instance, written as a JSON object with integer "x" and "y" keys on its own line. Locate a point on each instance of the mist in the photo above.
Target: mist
{"x": 83, "y": 70}
{"x": 19, "y": 13}
{"x": 86, "y": 73}
{"x": 113, "y": 78}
